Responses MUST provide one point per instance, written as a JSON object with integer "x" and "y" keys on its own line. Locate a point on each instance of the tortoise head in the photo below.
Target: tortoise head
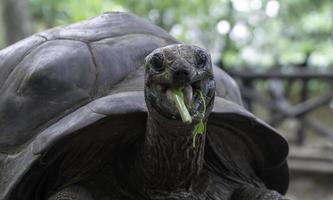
{"x": 179, "y": 83}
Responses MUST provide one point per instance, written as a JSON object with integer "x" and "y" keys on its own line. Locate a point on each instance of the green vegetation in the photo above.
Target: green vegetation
{"x": 178, "y": 98}
{"x": 199, "y": 128}
{"x": 251, "y": 33}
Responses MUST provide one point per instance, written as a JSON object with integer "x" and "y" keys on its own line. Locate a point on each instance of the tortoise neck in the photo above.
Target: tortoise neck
{"x": 169, "y": 161}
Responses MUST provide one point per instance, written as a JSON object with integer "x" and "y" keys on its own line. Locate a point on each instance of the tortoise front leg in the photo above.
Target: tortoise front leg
{"x": 72, "y": 193}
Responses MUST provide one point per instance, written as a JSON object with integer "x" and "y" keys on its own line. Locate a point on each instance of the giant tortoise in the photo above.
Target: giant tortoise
{"x": 116, "y": 108}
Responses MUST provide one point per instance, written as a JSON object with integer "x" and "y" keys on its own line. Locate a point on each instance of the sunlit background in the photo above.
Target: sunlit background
{"x": 251, "y": 35}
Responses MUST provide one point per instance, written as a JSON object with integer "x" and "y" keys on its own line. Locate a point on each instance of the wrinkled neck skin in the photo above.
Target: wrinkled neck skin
{"x": 168, "y": 161}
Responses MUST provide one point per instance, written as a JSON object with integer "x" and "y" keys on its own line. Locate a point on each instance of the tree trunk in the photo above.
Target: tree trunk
{"x": 17, "y": 25}
{"x": 1, "y": 29}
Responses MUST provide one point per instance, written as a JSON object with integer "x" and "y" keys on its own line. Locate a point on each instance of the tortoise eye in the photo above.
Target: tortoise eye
{"x": 201, "y": 58}
{"x": 157, "y": 62}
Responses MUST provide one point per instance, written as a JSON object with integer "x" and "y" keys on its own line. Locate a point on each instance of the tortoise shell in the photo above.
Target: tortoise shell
{"x": 60, "y": 82}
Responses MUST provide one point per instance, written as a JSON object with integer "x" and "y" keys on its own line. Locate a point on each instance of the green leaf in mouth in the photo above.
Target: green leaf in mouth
{"x": 178, "y": 98}
{"x": 199, "y": 128}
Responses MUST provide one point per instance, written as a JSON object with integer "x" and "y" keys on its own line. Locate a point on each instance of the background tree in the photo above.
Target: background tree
{"x": 15, "y": 15}
{"x": 241, "y": 33}
{"x": 1, "y": 27}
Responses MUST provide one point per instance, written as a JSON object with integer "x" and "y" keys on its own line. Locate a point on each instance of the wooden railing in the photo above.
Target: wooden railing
{"x": 276, "y": 100}
{"x": 277, "y": 103}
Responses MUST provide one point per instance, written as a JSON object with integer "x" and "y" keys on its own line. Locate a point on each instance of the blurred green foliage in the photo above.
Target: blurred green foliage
{"x": 255, "y": 33}
{"x": 50, "y": 13}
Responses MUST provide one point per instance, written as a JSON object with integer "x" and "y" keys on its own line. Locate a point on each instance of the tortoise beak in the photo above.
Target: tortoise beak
{"x": 176, "y": 95}
{"x": 181, "y": 101}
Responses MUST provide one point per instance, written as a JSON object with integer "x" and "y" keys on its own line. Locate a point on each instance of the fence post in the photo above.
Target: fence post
{"x": 304, "y": 96}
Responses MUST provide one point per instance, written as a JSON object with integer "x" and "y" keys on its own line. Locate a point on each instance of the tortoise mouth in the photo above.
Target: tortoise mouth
{"x": 197, "y": 95}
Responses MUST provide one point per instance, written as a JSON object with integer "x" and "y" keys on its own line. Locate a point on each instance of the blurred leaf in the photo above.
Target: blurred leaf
{"x": 300, "y": 27}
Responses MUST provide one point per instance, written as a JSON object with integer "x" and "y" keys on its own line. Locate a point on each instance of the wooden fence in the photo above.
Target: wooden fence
{"x": 281, "y": 108}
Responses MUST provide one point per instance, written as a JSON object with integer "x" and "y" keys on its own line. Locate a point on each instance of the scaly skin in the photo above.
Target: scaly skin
{"x": 248, "y": 192}
{"x": 72, "y": 193}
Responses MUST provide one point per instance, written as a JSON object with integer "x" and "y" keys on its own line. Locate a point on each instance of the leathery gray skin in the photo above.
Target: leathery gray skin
{"x": 165, "y": 165}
